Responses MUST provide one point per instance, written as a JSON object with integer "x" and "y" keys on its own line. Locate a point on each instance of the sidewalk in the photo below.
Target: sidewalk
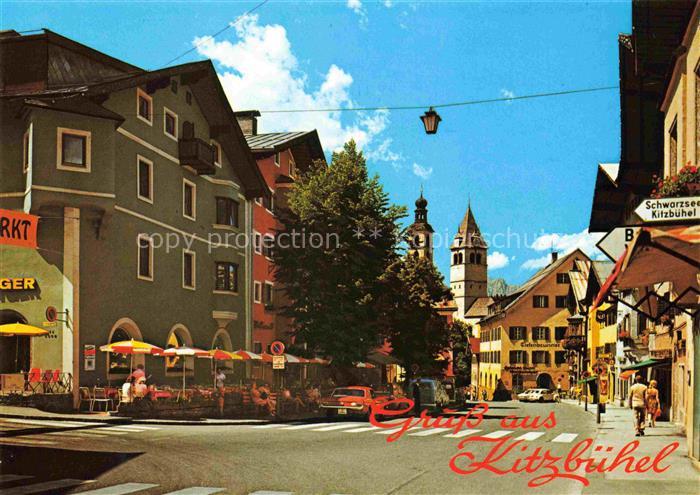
{"x": 616, "y": 430}
{"x": 102, "y": 417}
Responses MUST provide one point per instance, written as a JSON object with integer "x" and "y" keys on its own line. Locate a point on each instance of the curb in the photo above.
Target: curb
{"x": 125, "y": 420}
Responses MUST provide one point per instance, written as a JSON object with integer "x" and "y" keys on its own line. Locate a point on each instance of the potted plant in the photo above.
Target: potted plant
{"x": 685, "y": 183}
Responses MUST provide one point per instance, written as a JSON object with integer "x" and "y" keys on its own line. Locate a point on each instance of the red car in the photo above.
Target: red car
{"x": 351, "y": 400}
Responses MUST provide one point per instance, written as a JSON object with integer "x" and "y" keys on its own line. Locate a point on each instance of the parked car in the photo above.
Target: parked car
{"x": 525, "y": 395}
{"x": 542, "y": 395}
{"x": 433, "y": 394}
{"x": 352, "y": 400}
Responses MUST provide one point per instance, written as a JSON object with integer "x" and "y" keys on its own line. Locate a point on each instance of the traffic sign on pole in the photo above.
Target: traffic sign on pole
{"x": 669, "y": 209}
{"x": 277, "y": 348}
{"x": 613, "y": 243}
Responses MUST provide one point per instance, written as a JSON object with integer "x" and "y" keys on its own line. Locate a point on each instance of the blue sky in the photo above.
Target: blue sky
{"x": 528, "y": 166}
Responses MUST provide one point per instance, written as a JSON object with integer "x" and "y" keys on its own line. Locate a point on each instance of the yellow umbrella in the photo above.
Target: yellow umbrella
{"x": 12, "y": 329}
{"x": 131, "y": 347}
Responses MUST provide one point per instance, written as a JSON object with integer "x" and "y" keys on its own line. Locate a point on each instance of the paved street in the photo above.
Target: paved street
{"x": 350, "y": 457}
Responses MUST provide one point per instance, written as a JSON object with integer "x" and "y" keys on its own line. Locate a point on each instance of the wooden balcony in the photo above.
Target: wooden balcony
{"x": 197, "y": 154}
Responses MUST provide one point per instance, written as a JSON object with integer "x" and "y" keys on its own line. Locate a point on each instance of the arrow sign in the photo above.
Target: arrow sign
{"x": 613, "y": 243}
{"x": 669, "y": 209}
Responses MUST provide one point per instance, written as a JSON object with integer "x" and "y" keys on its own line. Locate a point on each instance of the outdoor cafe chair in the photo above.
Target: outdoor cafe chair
{"x": 100, "y": 395}
{"x": 34, "y": 381}
{"x": 85, "y": 396}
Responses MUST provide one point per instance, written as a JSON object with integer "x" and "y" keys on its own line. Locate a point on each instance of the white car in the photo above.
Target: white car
{"x": 525, "y": 396}
{"x": 542, "y": 395}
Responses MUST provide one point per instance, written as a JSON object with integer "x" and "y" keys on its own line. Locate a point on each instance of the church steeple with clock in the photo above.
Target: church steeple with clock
{"x": 420, "y": 233}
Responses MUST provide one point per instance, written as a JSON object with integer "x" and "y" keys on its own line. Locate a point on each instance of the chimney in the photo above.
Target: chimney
{"x": 555, "y": 256}
{"x": 248, "y": 120}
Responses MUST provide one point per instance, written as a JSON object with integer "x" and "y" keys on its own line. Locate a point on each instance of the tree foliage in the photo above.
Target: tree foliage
{"x": 416, "y": 331}
{"x": 461, "y": 351}
{"x": 333, "y": 290}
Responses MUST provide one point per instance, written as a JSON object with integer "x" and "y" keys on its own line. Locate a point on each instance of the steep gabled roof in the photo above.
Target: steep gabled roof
{"x": 538, "y": 277}
{"x": 468, "y": 233}
{"x": 305, "y": 146}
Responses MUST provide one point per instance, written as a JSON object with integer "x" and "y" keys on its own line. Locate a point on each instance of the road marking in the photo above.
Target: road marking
{"x": 362, "y": 430}
{"x": 120, "y": 428}
{"x": 64, "y": 424}
{"x": 531, "y": 435}
{"x": 461, "y": 433}
{"x": 310, "y": 425}
{"x": 429, "y": 431}
{"x": 394, "y": 430}
{"x": 43, "y": 487}
{"x": 338, "y": 427}
{"x": 105, "y": 431}
{"x": 76, "y": 434}
{"x": 25, "y": 441}
{"x": 196, "y": 490}
{"x": 271, "y": 425}
{"x": 6, "y": 478}
{"x": 565, "y": 438}
{"x": 498, "y": 434}
{"x": 268, "y": 492}
{"x": 138, "y": 426}
{"x": 122, "y": 489}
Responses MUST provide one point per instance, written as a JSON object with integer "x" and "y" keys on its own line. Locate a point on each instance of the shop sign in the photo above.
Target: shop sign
{"x": 613, "y": 243}
{"x": 18, "y": 283}
{"x": 669, "y": 209}
{"x": 18, "y": 228}
{"x": 89, "y": 357}
{"x": 543, "y": 345}
{"x": 277, "y": 362}
{"x": 660, "y": 353}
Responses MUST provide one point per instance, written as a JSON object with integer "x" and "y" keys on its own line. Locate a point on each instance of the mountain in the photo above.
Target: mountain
{"x": 499, "y": 287}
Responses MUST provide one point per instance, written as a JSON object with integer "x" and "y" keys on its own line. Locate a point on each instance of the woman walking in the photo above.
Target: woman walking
{"x": 653, "y": 405}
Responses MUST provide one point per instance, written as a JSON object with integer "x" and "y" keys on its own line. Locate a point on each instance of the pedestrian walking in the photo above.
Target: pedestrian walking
{"x": 637, "y": 402}
{"x": 220, "y": 378}
{"x": 653, "y": 403}
{"x": 416, "y": 398}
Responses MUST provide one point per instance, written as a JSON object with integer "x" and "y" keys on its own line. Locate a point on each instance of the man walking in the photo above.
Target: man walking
{"x": 637, "y": 402}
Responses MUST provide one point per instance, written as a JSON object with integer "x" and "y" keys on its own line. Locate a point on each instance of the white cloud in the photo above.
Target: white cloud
{"x": 422, "y": 172}
{"x": 383, "y": 152}
{"x": 563, "y": 244}
{"x": 259, "y": 70}
{"x": 355, "y": 6}
{"x": 497, "y": 260}
{"x": 388, "y": 4}
{"x": 507, "y": 93}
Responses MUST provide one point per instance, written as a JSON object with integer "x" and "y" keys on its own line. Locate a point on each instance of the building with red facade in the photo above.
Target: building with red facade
{"x": 280, "y": 157}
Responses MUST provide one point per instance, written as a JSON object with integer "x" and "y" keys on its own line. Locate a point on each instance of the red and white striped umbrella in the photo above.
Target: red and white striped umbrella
{"x": 364, "y": 365}
{"x": 184, "y": 351}
{"x": 247, "y": 355}
{"x": 295, "y": 359}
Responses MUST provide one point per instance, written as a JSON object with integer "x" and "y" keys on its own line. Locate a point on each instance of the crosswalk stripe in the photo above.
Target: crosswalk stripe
{"x": 565, "y": 438}
{"x": 270, "y": 425}
{"x": 6, "y": 478}
{"x": 42, "y": 487}
{"x": 304, "y": 426}
{"x": 120, "y": 428}
{"x": 25, "y": 441}
{"x": 498, "y": 434}
{"x": 138, "y": 427}
{"x": 394, "y": 430}
{"x": 461, "y": 433}
{"x": 362, "y": 430}
{"x": 122, "y": 489}
{"x": 105, "y": 431}
{"x": 429, "y": 431}
{"x": 196, "y": 490}
{"x": 74, "y": 434}
{"x": 268, "y": 492}
{"x": 531, "y": 435}
{"x": 337, "y": 427}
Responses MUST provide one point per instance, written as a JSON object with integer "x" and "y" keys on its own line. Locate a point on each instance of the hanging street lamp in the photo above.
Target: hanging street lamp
{"x": 430, "y": 119}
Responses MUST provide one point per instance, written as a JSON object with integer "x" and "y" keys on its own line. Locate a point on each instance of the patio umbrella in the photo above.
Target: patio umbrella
{"x": 184, "y": 351}
{"x": 295, "y": 359}
{"x": 21, "y": 330}
{"x": 131, "y": 347}
{"x": 364, "y": 365}
{"x": 248, "y": 356}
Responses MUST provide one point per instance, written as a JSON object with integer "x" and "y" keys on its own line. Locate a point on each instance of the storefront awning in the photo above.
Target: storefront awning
{"x": 588, "y": 379}
{"x": 658, "y": 255}
{"x": 651, "y": 362}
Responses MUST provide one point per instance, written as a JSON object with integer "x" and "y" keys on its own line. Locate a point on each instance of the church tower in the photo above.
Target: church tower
{"x": 468, "y": 278}
{"x": 420, "y": 233}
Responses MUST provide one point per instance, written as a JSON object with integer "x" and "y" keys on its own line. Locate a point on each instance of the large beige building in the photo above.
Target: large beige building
{"x": 521, "y": 338}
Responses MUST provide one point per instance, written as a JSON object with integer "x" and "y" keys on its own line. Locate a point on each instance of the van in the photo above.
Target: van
{"x": 432, "y": 393}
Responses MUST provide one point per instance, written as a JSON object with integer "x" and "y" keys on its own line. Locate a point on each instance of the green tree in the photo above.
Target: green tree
{"x": 333, "y": 289}
{"x": 417, "y": 332}
{"x": 461, "y": 352}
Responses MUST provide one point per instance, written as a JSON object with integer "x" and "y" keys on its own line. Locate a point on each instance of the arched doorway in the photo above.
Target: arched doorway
{"x": 15, "y": 351}
{"x": 544, "y": 380}
{"x": 517, "y": 383}
{"x": 179, "y": 336}
{"x": 119, "y": 365}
